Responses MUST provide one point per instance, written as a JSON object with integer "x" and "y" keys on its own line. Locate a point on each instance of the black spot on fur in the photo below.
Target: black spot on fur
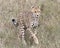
{"x": 15, "y": 23}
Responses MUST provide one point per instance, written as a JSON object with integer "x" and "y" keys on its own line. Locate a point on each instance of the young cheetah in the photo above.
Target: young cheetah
{"x": 28, "y": 21}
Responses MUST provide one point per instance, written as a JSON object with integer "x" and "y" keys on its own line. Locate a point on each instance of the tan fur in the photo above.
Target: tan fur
{"x": 36, "y": 10}
{"x": 28, "y": 17}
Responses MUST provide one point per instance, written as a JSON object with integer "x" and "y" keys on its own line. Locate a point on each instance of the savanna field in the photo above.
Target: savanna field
{"x": 48, "y": 30}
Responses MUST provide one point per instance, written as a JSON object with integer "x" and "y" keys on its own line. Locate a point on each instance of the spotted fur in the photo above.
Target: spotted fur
{"x": 29, "y": 20}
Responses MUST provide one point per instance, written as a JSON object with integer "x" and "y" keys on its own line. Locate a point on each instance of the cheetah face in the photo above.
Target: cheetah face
{"x": 36, "y": 11}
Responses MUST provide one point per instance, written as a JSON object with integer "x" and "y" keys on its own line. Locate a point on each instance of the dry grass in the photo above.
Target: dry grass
{"x": 48, "y": 31}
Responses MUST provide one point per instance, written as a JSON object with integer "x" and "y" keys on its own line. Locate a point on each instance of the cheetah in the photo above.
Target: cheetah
{"x": 29, "y": 20}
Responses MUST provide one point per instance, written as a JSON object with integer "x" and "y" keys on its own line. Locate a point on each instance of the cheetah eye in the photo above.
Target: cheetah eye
{"x": 35, "y": 11}
{"x": 32, "y": 37}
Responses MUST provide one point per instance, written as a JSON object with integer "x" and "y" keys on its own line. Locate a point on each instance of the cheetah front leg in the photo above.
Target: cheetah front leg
{"x": 33, "y": 36}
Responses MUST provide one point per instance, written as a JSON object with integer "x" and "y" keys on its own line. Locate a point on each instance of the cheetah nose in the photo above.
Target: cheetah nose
{"x": 37, "y": 15}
